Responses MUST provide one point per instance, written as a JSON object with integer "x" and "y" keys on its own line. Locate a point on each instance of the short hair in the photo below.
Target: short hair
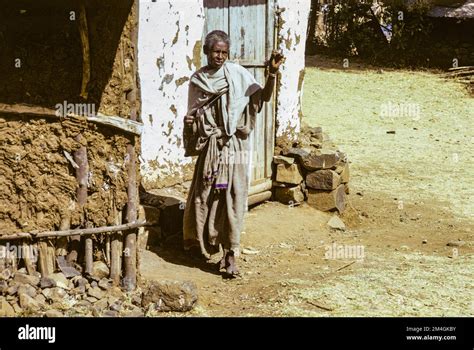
{"x": 214, "y": 37}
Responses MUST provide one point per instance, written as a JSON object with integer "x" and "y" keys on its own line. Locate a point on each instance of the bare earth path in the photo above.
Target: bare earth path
{"x": 412, "y": 194}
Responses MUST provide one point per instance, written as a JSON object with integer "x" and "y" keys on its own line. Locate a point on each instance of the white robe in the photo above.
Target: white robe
{"x": 225, "y": 103}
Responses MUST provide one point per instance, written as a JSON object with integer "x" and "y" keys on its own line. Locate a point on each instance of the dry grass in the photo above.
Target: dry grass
{"x": 404, "y": 285}
{"x": 429, "y": 156}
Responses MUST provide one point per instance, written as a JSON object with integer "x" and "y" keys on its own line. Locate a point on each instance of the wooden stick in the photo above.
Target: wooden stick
{"x": 77, "y": 232}
{"x": 347, "y": 265}
{"x": 46, "y": 252}
{"x": 62, "y": 243}
{"x": 126, "y": 125}
{"x": 12, "y": 260}
{"x": 107, "y": 250}
{"x": 319, "y": 306}
{"x": 89, "y": 260}
{"x": 122, "y": 70}
{"x": 142, "y": 232}
{"x": 130, "y": 126}
{"x": 107, "y": 238}
{"x": 80, "y": 157}
{"x": 86, "y": 66}
{"x": 2, "y": 258}
{"x": 130, "y": 252}
{"x": 27, "y": 249}
{"x": 46, "y": 257}
{"x": 42, "y": 259}
{"x": 142, "y": 239}
{"x": 117, "y": 239}
{"x": 116, "y": 252}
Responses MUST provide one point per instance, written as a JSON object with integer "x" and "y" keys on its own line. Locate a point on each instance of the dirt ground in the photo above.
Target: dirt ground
{"x": 410, "y": 212}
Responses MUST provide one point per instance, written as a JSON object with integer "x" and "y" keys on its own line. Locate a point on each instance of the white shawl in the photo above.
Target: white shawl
{"x": 240, "y": 83}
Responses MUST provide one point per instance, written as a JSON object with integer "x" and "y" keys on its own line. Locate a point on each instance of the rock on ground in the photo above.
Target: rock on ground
{"x": 171, "y": 296}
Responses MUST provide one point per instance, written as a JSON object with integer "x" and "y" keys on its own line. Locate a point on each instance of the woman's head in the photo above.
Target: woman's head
{"x": 216, "y": 48}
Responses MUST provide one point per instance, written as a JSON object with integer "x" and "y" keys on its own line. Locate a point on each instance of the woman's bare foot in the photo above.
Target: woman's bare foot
{"x": 221, "y": 263}
{"x": 231, "y": 265}
{"x": 196, "y": 255}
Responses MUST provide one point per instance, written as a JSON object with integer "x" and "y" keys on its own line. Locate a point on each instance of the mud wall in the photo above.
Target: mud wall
{"x": 169, "y": 52}
{"x": 41, "y": 65}
{"x": 37, "y": 181}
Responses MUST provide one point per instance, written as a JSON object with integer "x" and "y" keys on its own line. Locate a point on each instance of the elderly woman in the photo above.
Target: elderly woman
{"x": 224, "y": 100}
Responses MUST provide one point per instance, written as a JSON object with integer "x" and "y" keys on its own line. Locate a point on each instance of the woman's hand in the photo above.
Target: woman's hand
{"x": 188, "y": 120}
{"x": 275, "y": 61}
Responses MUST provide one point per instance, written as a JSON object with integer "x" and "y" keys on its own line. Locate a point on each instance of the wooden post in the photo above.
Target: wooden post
{"x": 46, "y": 251}
{"x": 46, "y": 257}
{"x": 3, "y": 250}
{"x": 88, "y": 256}
{"x": 11, "y": 260}
{"x": 61, "y": 243}
{"x": 27, "y": 250}
{"x": 107, "y": 250}
{"x": 84, "y": 32}
{"x": 141, "y": 240}
{"x": 116, "y": 252}
{"x": 80, "y": 157}
{"x": 129, "y": 281}
{"x": 130, "y": 251}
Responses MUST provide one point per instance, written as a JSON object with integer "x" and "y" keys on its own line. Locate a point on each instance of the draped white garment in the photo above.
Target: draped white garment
{"x": 225, "y": 103}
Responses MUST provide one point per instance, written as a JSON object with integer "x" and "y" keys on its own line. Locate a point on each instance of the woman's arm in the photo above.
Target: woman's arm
{"x": 268, "y": 89}
{"x": 273, "y": 66}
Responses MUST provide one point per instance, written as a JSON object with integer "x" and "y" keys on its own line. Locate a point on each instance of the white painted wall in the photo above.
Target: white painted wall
{"x": 168, "y": 32}
{"x": 292, "y": 38}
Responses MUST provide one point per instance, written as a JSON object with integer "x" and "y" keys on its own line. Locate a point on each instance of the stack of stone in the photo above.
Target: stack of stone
{"x": 66, "y": 294}
{"x": 63, "y": 294}
{"x": 289, "y": 185}
{"x": 312, "y": 172}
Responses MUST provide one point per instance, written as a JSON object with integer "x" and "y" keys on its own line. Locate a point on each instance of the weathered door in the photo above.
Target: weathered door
{"x": 250, "y": 25}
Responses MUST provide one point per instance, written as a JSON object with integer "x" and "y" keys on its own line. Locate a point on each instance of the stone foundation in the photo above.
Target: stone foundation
{"x": 311, "y": 169}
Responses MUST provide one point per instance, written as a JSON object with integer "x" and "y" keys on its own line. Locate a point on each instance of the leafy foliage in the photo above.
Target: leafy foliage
{"x": 352, "y": 29}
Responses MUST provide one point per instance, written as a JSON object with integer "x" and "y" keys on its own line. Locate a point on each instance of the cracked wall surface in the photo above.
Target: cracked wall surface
{"x": 292, "y": 39}
{"x": 169, "y": 32}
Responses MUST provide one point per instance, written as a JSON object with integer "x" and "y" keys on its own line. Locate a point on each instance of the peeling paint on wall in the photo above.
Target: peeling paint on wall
{"x": 197, "y": 53}
{"x": 181, "y": 81}
{"x": 169, "y": 45}
{"x": 292, "y": 38}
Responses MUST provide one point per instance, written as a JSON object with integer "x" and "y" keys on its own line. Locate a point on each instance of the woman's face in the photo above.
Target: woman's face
{"x": 218, "y": 54}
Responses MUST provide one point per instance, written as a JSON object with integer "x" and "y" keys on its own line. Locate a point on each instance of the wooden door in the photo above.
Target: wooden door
{"x": 250, "y": 25}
